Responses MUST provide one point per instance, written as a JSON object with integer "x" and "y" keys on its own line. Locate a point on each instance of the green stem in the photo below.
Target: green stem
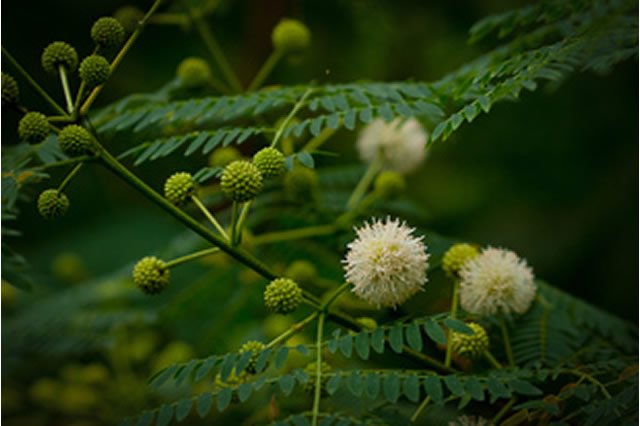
{"x": 209, "y": 216}
{"x": 192, "y": 256}
{"x": 123, "y": 51}
{"x": 33, "y": 83}
{"x": 318, "y": 387}
{"x": 347, "y": 217}
{"x": 334, "y": 296}
{"x": 69, "y": 176}
{"x": 454, "y": 309}
{"x": 65, "y": 88}
{"x": 266, "y": 69}
{"x": 507, "y": 342}
{"x": 317, "y": 141}
{"x": 292, "y": 114}
{"x": 364, "y": 183}
{"x": 76, "y": 104}
{"x": 295, "y": 328}
{"x": 492, "y": 360}
{"x": 243, "y": 217}
{"x": 504, "y": 410}
{"x": 214, "y": 48}
{"x": 219, "y": 86}
{"x": 294, "y": 234}
{"x": 169, "y": 19}
{"x": 420, "y": 409}
{"x": 73, "y": 160}
{"x": 234, "y": 222}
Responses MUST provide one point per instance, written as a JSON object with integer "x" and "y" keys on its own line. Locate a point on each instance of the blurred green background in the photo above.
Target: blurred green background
{"x": 553, "y": 176}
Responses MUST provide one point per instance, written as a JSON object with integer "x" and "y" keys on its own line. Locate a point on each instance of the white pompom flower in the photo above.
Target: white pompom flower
{"x": 496, "y": 280}
{"x": 401, "y": 144}
{"x": 385, "y": 263}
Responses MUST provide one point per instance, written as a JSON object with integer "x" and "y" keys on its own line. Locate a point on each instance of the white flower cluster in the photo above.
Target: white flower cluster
{"x": 385, "y": 263}
{"x": 402, "y": 145}
{"x": 496, "y": 280}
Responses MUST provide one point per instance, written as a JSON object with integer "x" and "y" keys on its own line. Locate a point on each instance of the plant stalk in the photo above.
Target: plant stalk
{"x": 365, "y": 181}
{"x": 65, "y": 88}
{"x": 69, "y": 176}
{"x": 454, "y": 309}
{"x": 292, "y": 114}
{"x": 318, "y": 386}
{"x": 192, "y": 256}
{"x": 209, "y": 216}
{"x": 266, "y": 69}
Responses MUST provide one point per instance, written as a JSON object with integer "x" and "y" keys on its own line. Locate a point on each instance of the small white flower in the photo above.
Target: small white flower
{"x": 469, "y": 421}
{"x": 385, "y": 263}
{"x": 496, "y": 280}
{"x": 400, "y": 144}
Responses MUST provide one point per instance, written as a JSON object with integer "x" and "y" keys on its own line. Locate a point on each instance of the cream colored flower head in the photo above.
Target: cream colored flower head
{"x": 385, "y": 263}
{"x": 401, "y": 144}
{"x": 496, "y": 280}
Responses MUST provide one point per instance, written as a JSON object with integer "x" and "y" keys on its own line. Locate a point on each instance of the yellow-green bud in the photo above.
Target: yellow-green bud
{"x": 241, "y": 181}
{"x": 233, "y": 381}
{"x": 310, "y": 384}
{"x": 59, "y": 54}
{"x": 370, "y": 323}
{"x": 222, "y": 157}
{"x": 255, "y": 347}
{"x": 456, "y": 256}
{"x": 52, "y": 204}
{"x": 33, "y": 127}
{"x": 282, "y": 296}
{"x": 107, "y": 32}
{"x": 290, "y": 34}
{"x": 151, "y": 275}
{"x": 94, "y": 70}
{"x": 10, "y": 90}
{"x": 470, "y": 345}
{"x": 129, "y": 16}
{"x": 179, "y": 188}
{"x": 194, "y": 72}
{"x": 302, "y": 272}
{"x": 74, "y": 140}
{"x": 270, "y": 162}
{"x": 300, "y": 183}
{"x": 389, "y": 184}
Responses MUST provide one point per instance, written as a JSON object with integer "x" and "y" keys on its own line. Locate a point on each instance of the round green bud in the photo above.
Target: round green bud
{"x": 456, "y": 256}
{"x": 150, "y": 275}
{"x": 255, "y": 347}
{"x": 222, "y": 157}
{"x": 310, "y": 385}
{"x": 129, "y": 16}
{"x": 270, "y": 162}
{"x": 59, "y": 54}
{"x": 94, "y": 70}
{"x": 388, "y": 184}
{"x": 300, "y": 183}
{"x": 370, "y": 323}
{"x": 302, "y": 272}
{"x": 74, "y": 140}
{"x": 282, "y": 296}
{"x": 52, "y": 204}
{"x": 107, "y": 32}
{"x": 241, "y": 181}
{"x": 33, "y": 127}
{"x": 194, "y": 72}
{"x": 10, "y": 90}
{"x": 470, "y": 345}
{"x": 290, "y": 34}
{"x": 179, "y": 188}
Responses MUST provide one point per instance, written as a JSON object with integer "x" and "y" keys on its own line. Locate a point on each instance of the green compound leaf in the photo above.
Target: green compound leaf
{"x": 165, "y": 415}
{"x": 223, "y": 399}
{"x": 458, "y": 326}
{"x": 411, "y": 388}
{"x": 391, "y": 387}
{"x": 183, "y": 409}
{"x": 414, "y": 338}
{"x": 333, "y": 384}
{"x": 497, "y": 389}
{"x": 435, "y": 332}
{"x": 355, "y": 384}
{"x": 145, "y": 419}
{"x": 362, "y": 345}
{"x": 454, "y": 384}
{"x": 372, "y": 385}
{"x": 226, "y": 368}
{"x": 244, "y": 391}
{"x": 524, "y": 388}
{"x": 204, "y": 402}
{"x": 395, "y": 338}
{"x": 377, "y": 340}
{"x": 287, "y": 382}
{"x": 262, "y": 359}
{"x": 281, "y": 357}
{"x": 433, "y": 387}
{"x": 475, "y": 389}
{"x": 346, "y": 345}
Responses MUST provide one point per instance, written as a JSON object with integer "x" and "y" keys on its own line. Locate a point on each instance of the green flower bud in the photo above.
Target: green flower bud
{"x": 33, "y": 127}
{"x": 256, "y": 348}
{"x": 270, "y": 162}
{"x": 232, "y": 382}
{"x": 129, "y": 16}
{"x": 300, "y": 183}
{"x": 310, "y": 384}
{"x": 10, "y": 90}
{"x": 241, "y": 181}
{"x": 456, "y": 256}
{"x": 150, "y": 275}
{"x": 302, "y": 272}
{"x": 52, "y": 204}
{"x": 290, "y": 34}
{"x": 282, "y": 296}
{"x": 179, "y": 188}
{"x": 388, "y": 184}
{"x": 222, "y": 157}
{"x": 74, "y": 140}
{"x": 370, "y": 323}
{"x": 58, "y": 54}
{"x": 94, "y": 70}
{"x": 107, "y": 32}
{"x": 194, "y": 72}
{"x": 470, "y": 345}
